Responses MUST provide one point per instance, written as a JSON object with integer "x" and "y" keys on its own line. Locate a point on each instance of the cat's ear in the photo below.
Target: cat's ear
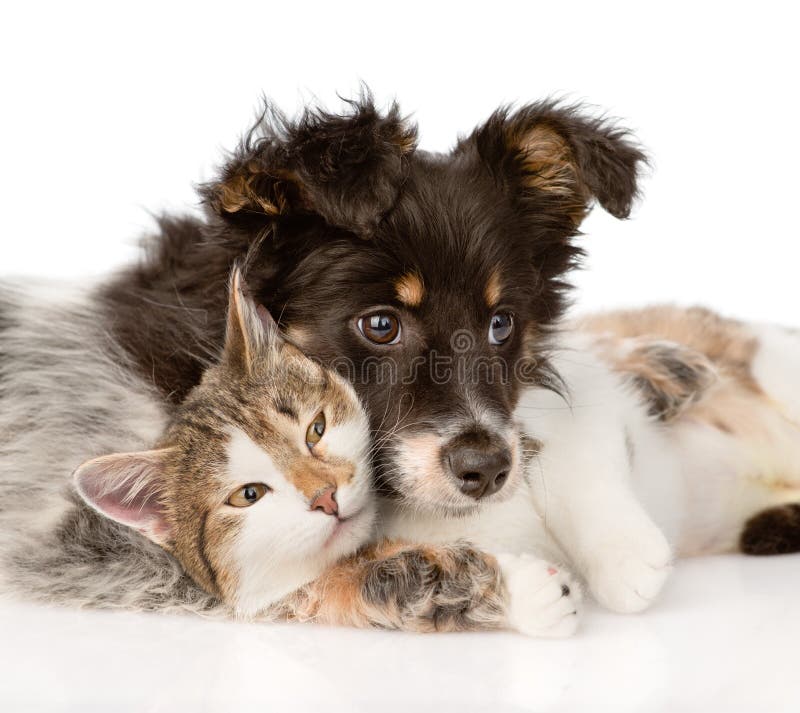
{"x": 561, "y": 158}
{"x": 251, "y": 332}
{"x": 128, "y": 488}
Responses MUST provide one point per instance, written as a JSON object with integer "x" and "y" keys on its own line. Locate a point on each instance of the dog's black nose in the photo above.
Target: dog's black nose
{"x": 479, "y": 469}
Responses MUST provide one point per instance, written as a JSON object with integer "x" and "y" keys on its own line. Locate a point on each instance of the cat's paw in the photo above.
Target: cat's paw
{"x": 543, "y": 600}
{"x": 627, "y": 575}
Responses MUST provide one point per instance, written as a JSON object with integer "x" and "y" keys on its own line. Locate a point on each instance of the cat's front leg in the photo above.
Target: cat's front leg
{"x": 425, "y": 588}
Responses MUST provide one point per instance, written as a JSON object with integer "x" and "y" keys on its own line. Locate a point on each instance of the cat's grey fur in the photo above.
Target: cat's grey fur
{"x": 66, "y": 395}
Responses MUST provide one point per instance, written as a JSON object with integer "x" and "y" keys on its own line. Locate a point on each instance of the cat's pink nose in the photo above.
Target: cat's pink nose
{"x": 326, "y": 501}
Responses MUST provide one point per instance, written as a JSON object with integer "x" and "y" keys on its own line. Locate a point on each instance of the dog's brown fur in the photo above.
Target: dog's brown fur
{"x": 772, "y": 532}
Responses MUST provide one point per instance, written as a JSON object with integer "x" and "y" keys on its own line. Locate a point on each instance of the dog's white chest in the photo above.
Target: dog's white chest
{"x": 511, "y": 526}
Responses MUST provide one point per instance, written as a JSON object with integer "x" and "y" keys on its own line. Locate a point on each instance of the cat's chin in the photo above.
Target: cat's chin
{"x": 263, "y": 584}
{"x": 351, "y": 532}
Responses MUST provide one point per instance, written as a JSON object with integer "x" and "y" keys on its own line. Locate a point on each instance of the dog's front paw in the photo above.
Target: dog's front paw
{"x": 628, "y": 575}
{"x": 543, "y": 600}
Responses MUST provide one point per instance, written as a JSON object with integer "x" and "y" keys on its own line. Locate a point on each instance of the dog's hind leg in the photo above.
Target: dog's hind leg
{"x": 776, "y": 369}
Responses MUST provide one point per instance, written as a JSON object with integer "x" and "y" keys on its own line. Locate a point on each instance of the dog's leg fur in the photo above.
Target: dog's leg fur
{"x": 584, "y": 490}
{"x": 776, "y": 367}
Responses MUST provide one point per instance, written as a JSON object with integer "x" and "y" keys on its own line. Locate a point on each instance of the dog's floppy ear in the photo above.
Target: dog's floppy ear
{"x": 563, "y": 157}
{"x": 347, "y": 168}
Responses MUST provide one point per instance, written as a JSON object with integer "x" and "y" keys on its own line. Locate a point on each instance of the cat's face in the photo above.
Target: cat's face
{"x": 263, "y": 479}
{"x": 269, "y": 478}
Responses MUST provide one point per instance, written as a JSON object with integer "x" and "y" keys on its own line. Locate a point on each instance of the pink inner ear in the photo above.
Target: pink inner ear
{"x": 125, "y": 489}
{"x": 143, "y": 512}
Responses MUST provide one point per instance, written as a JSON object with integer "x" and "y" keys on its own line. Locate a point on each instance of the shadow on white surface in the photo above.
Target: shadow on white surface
{"x": 723, "y": 638}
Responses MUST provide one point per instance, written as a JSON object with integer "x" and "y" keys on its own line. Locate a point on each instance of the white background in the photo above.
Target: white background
{"x": 109, "y": 112}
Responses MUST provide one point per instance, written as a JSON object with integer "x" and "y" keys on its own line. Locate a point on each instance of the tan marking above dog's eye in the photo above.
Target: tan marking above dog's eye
{"x": 410, "y": 289}
{"x": 493, "y": 290}
{"x": 247, "y": 495}
{"x": 315, "y": 430}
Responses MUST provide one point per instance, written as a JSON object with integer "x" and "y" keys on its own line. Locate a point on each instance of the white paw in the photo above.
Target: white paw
{"x": 543, "y": 600}
{"x": 627, "y": 575}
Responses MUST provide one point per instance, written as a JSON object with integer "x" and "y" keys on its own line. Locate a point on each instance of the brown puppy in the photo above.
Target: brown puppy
{"x": 430, "y": 281}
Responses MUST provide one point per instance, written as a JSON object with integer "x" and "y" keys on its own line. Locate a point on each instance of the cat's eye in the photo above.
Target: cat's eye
{"x": 380, "y": 328}
{"x": 247, "y": 495}
{"x": 315, "y": 430}
{"x": 500, "y": 328}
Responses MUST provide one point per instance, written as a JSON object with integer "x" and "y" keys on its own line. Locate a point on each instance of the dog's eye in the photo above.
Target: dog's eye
{"x": 501, "y": 327}
{"x": 380, "y": 328}
{"x": 247, "y": 495}
{"x": 315, "y": 430}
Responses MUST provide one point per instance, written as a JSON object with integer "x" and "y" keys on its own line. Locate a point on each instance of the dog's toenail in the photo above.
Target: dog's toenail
{"x": 564, "y": 590}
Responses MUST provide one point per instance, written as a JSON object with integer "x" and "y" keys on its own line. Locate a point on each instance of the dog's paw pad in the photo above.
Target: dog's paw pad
{"x": 543, "y": 600}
